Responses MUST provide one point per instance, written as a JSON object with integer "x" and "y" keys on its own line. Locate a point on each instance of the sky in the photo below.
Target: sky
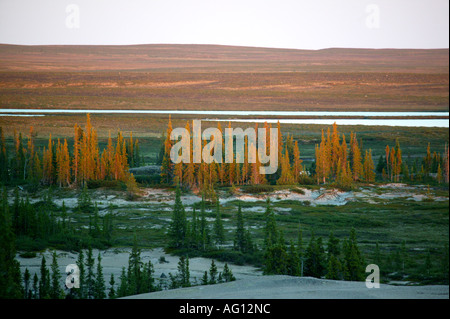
{"x": 296, "y": 24}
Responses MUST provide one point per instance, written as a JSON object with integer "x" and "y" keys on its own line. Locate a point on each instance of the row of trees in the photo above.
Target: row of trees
{"x": 56, "y": 165}
{"x": 336, "y": 161}
{"x": 204, "y": 176}
{"x": 343, "y": 164}
{"x": 433, "y": 166}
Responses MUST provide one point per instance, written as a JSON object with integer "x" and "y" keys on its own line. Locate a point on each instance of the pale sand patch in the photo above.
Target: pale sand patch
{"x": 287, "y": 287}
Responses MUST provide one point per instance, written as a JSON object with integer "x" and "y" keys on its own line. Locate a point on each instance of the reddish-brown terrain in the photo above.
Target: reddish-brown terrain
{"x": 207, "y": 77}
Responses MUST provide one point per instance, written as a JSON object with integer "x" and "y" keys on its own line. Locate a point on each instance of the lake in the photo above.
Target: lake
{"x": 416, "y": 122}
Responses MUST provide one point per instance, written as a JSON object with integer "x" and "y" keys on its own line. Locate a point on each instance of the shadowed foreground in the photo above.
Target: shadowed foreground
{"x": 286, "y": 287}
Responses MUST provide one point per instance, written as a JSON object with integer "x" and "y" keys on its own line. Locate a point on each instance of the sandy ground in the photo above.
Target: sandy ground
{"x": 286, "y": 287}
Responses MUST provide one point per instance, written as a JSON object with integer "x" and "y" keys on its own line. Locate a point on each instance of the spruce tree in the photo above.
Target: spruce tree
{"x": 148, "y": 284}
{"x": 194, "y": 228}
{"x": 90, "y": 277}
{"x": 26, "y": 282}
{"x": 204, "y": 228}
{"x": 99, "y": 290}
{"x": 314, "y": 258}
{"x": 270, "y": 231}
{"x": 249, "y": 247}
{"x": 55, "y": 292}
{"x": 212, "y": 273}
{"x": 205, "y": 278}
{"x": 333, "y": 246}
{"x": 334, "y": 268}
{"x": 183, "y": 272}
{"x": 4, "y": 170}
{"x": 276, "y": 259}
{"x": 82, "y": 291}
{"x": 112, "y": 290}
{"x": 123, "y": 287}
{"x": 44, "y": 283}
{"x": 219, "y": 232}
{"x": 293, "y": 261}
{"x": 353, "y": 260}
{"x": 239, "y": 242}
{"x": 35, "y": 286}
{"x": 227, "y": 274}
{"x": 134, "y": 269}
{"x": 300, "y": 243}
{"x": 177, "y": 227}
{"x": 10, "y": 276}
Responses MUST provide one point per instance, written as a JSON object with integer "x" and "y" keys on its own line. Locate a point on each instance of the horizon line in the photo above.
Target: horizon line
{"x": 222, "y": 45}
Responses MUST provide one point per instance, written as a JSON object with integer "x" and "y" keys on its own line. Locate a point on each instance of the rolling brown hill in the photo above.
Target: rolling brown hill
{"x": 215, "y": 58}
{"x": 222, "y": 77}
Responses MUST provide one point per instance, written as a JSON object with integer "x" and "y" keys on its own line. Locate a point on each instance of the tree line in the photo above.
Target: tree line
{"x": 336, "y": 162}
{"x": 56, "y": 165}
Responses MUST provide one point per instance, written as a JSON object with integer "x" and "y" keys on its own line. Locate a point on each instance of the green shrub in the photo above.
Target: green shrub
{"x": 297, "y": 190}
{"x": 148, "y": 179}
{"x": 102, "y": 183}
{"x": 28, "y": 254}
{"x": 256, "y": 189}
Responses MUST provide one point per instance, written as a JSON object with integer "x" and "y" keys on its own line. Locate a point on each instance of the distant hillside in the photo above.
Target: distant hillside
{"x": 211, "y": 77}
{"x": 215, "y": 58}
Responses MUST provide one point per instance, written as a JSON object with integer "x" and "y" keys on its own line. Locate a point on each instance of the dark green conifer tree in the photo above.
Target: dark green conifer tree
{"x": 314, "y": 258}
{"x": 10, "y": 277}
{"x": 134, "y": 269}
{"x": 240, "y": 238}
{"x": 99, "y": 291}
{"x": 123, "y": 287}
{"x": 205, "y": 278}
{"x": 90, "y": 276}
{"x": 112, "y": 290}
{"x": 44, "y": 283}
{"x": 26, "y": 284}
{"x": 177, "y": 227}
{"x": 219, "y": 232}
{"x": 212, "y": 273}
{"x": 81, "y": 292}
{"x": 227, "y": 274}
{"x": 56, "y": 291}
